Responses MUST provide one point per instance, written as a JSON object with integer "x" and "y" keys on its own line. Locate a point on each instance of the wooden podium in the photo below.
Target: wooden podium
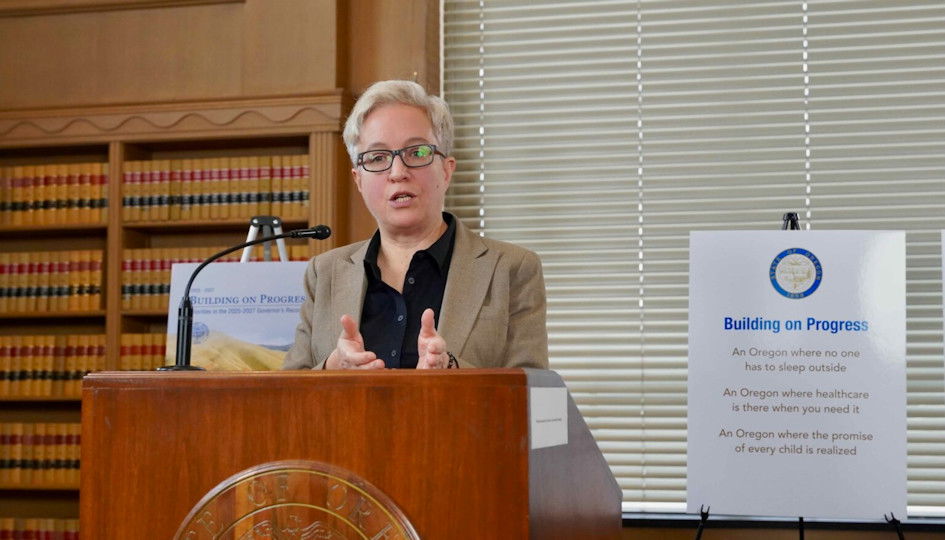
{"x": 452, "y": 450}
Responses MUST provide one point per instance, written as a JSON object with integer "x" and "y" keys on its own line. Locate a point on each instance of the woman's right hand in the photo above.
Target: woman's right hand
{"x": 350, "y": 353}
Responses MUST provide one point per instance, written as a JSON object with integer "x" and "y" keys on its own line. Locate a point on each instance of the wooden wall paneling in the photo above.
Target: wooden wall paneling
{"x": 13, "y": 8}
{"x": 391, "y": 39}
{"x": 261, "y": 117}
{"x": 289, "y": 46}
{"x": 187, "y": 51}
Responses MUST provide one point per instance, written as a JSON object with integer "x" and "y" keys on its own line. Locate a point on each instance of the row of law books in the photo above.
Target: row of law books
{"x": 38, "y": 529}
{"x": 39, "y": 454}
{"x": 48, "y": 366}
{"x": 146, "y": 272}
{"x": 215, "y": 188}
{"x": 142, "y": 352}
{"x": 51, "y": 281}
{"x": 68, "y": 193}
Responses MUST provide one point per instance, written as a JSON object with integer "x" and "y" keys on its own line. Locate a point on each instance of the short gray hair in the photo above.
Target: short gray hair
{"x": 407, "y": 93}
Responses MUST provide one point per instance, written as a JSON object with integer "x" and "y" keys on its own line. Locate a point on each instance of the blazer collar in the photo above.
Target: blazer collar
{"x": 470, "y": 275}
{"x": 349, "y": 284}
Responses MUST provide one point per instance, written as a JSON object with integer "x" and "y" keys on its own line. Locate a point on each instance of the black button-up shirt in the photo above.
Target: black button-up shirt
{"x": 390, "y": 321}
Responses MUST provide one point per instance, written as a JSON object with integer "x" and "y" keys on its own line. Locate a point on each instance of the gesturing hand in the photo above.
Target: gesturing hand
{"x": 431, "y": 348}
{"x": 350, "y": 353}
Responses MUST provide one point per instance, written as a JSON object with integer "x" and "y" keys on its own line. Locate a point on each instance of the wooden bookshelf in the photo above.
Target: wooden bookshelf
{"x": 303, "y": 126}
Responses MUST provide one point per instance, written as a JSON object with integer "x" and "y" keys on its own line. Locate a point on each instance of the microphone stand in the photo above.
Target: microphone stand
{"x": 185, "y": 312}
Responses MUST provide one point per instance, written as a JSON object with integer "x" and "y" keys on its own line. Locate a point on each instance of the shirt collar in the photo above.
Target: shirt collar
{"x": 441, "y": 250}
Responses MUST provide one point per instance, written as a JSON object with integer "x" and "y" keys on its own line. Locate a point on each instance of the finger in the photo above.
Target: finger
{"x": 433, "y": 361}
{"x": 425, "y": 362}
{"x": 435, "y": 346}
{"x": 374, "y": 364}
{"x": 427, "y": 324}
{"x": 358, "y": 359}
{"x": 349, "y": 328}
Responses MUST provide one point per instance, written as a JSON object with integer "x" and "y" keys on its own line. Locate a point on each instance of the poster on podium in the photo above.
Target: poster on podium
{"x": 245, "y": 314}
{"x": 797, "y": 374}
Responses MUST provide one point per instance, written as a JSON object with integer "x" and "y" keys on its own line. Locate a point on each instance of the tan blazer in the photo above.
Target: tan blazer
{"x": 493, "y": 312}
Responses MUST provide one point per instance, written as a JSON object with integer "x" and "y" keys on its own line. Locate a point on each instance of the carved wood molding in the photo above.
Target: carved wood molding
{"x": 223, "y": 118}
{"x": 20, "y": 8}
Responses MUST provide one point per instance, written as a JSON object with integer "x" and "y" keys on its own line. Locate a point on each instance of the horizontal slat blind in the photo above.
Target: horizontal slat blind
{"x": 877, "y": 111}
{"x": 600, "y": 134}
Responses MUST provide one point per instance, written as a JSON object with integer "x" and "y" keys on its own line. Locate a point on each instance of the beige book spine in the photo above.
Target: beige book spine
{"x": 6, "y": 444}
{"x": 75, "y": 434}
{"x": 264, "y": 186}
{"x": 6, "y": 281}
{"x": 126, "y": 278}
{"x": 19, "y": 267}
{"x": 58, "y": 366}
{"x": 17, "y": 430}
{"x": 275, "y": 186}
{"x": 77, "y": 181}
{"x": 127, "y": 190}
{"x": 17, "y": 196}
{"x": 43, "y": 280}
{"x": 174, "y": 190}
{"x": 39, "y": 468}
{"x": 47, "y": 364}
{"x": 69, "y": 366}
{"x": 84, "y": 210}
{"x": 104, "y": 177}
{"x": 61, "y": 431}
{"x": 202, "y": 188}
{"x": 41, "y": 192}
{"x": 6, "y": 365}
{"x": 97, "y": 279}
{"x": 186, "y": 189}
{"x": 6, "y": 195}
{"x": 28, "y": 454}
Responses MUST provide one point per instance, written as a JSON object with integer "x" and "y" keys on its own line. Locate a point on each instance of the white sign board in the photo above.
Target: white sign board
{"x": 245, "y": 314}
{"x": 797, "y": 379}
{"x": 548, "y": 412}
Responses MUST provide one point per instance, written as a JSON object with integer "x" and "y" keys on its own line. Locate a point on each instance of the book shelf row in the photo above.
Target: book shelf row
{"x": 38, "y": 529}
{"x": 70, "y": 193}
{"x": 215, "y": 188}
{"x": 44, "y": 366}
{"x": 51, "y": 280}
{"x": 156, "y": 190}
{"x": 143, "y": 352}
{"x": 146, "y": 272}
{"x": 39, "y": 455}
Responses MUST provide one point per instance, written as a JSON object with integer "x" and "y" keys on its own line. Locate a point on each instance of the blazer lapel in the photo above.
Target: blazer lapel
{"x": 348, "y": 285}
{"x": 466, "y": 287}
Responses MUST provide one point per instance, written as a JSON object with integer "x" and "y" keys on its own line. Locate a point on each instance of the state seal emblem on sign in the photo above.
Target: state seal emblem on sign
{"x": 200, "y": 332}
{"x": 795, "y": 273}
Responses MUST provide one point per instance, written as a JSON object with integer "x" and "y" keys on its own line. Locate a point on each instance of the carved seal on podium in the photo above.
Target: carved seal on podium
{"x": 295, "y": 500}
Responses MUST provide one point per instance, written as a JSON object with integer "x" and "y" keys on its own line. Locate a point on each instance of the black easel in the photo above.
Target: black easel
{"x": 896, "y": 524}
{"x": 704, "y": 516}
{"x": 789, "y": 222}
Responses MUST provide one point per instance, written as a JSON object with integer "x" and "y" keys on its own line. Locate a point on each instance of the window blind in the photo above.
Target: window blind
{"x": 599, "y": 134}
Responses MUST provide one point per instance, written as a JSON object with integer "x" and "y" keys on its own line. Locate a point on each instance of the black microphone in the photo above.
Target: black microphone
{"x": 185, "y": 312}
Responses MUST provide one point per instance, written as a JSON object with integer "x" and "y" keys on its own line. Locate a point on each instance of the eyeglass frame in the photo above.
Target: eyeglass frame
{"x": 400, "y": 152}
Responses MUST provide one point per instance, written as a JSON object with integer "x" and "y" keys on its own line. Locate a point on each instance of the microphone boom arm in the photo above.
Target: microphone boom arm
{"x": 185, "y": 311}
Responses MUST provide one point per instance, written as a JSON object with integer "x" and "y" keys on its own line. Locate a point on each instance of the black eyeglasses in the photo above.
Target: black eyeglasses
{"x": 418, "y": 155}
